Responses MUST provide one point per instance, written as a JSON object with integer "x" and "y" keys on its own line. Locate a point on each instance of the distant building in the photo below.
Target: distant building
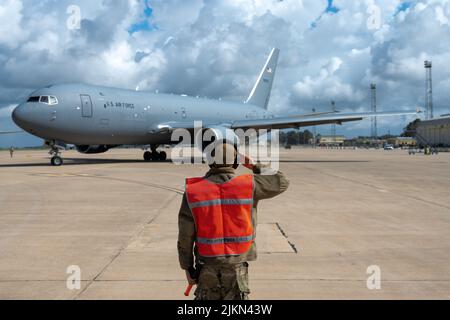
{"x": 402, "y": 141}
{"x": 365, "y": 142}
{"x": 332, "y": 140}
{"x": 435, "y": 133}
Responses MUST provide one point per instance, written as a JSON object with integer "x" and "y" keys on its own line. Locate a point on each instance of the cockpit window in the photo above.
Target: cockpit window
{"x": 50, "y": 100}
{"x": 33, "y": 99}
{"x": 53, "y": 100}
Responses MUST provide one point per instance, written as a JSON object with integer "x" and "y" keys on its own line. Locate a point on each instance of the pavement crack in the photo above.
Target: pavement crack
{"x": 147, "y": 184}
{"x": 93, "y": 176}
{"x": 125, "y": 246}
{"x": 287, "y": 239}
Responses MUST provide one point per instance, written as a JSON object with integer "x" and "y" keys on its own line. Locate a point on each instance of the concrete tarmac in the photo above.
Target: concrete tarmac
{"x": 115, "y": 217}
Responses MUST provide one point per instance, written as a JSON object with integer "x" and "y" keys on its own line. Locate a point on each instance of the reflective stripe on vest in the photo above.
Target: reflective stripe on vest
{"x": 222, "y": 214}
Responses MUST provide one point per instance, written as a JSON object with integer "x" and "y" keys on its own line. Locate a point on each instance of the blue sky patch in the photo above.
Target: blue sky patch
{"x": 403, "y": 7}
{"x": 144, "y": 24}
{"x": 331, "y": 7}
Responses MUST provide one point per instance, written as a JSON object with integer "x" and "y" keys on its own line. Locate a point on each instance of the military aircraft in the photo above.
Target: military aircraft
{"x": 96, "y": 119}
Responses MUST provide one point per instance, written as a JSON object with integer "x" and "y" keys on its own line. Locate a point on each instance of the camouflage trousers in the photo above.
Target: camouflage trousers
{"x": 223, "y": 282}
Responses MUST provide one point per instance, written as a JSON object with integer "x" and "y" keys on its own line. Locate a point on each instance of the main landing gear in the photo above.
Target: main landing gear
{"x": 56, "y": 159}
{"x": 154, "y": 155}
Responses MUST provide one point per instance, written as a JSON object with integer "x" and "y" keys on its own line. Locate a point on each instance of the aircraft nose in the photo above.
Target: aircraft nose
{"x": 21, "y": 115}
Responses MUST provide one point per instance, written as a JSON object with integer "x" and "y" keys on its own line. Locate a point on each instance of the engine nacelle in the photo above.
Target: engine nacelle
{"x": 87, "y": 149}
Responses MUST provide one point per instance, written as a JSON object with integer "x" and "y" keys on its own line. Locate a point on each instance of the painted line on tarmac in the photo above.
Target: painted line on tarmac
{"x": 95, "y": 176}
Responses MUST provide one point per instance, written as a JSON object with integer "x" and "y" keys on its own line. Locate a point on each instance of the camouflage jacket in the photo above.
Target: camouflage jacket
{"x": 266, "y": 187}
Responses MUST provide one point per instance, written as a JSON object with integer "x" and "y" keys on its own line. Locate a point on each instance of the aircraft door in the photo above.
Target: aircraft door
{"x": 86, "y": 106}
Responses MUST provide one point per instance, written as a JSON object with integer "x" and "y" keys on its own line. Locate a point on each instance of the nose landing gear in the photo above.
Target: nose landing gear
{"x": 56, "y": 159}
{"x": 154, "y": 155}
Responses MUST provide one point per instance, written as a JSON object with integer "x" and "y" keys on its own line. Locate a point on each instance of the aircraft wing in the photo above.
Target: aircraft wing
{"x": 296, "y": 122}
{"x": 316, "y": 114}
{"x": 10, "y": 132}
{"x": 285, "y": 122}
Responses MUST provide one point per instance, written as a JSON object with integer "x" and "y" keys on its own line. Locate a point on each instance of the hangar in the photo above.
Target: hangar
{"x": 434, "y": 132}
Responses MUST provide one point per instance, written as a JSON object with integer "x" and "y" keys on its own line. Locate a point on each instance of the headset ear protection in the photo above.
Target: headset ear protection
{"x": 237, "y": 158}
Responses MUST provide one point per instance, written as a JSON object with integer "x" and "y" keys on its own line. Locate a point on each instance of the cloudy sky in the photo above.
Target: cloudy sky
{"x": 330, "y": 50}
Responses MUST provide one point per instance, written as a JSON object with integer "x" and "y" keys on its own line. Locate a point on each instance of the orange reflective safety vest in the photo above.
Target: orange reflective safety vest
{"x": 222, "y": 214}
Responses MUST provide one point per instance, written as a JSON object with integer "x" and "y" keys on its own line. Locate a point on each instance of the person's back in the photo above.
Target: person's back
{"x": 217, "y": 226}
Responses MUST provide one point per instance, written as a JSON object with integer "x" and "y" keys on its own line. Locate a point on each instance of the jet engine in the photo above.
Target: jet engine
{"x": 91, "y": 149}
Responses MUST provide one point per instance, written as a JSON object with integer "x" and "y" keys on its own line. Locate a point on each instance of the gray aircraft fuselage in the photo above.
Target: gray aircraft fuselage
{"x": 95, "y": 115}
{"x": 96, "y": 118}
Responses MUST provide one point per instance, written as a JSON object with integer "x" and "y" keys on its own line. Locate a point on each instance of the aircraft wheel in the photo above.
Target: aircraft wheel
{"x": 162, "y": 156}
{"x": 56, "y": 161}
{"x": 147, "y": 156}
{"x": 154, "y": 156}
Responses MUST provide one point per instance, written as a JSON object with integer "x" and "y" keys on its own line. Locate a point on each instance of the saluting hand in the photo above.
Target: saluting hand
{"x": 247, "y": 161}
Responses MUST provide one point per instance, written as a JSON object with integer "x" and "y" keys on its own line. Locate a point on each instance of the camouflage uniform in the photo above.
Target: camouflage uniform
{"x": 224, "y": 278}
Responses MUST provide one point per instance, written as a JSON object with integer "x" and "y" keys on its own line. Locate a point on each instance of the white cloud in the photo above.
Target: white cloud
{"x": 327, "y": 83}
{"x": 11, "y": 33}
{"x": 216, "y": 48}
{"x": 441, "y": 17}
{"x": 5, "y": 112}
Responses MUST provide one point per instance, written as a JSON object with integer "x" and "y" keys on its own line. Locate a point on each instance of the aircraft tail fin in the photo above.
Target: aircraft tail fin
{"x": 260, "y": 94}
